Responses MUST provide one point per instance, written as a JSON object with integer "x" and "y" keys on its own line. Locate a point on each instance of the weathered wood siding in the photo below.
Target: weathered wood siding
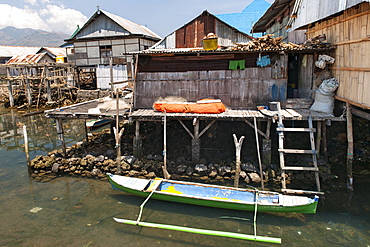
{"x": 238, "y": 89}
{"x": 350, "y": 32}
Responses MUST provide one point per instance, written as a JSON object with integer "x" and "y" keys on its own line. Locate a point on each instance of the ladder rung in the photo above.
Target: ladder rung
{"x": 297, "y": 129}
{"x": 297, "y": 151}
{"x": 300, "y": 168}
{"x": 302, "y": 191}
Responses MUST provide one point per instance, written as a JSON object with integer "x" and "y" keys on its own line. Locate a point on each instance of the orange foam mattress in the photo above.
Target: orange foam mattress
{"x": 206, "y": 106}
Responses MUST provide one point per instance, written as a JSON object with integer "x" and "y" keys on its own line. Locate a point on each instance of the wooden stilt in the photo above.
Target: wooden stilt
{"x": 166, "y": 175}
{"x": 60, "y": 133}
{"x": 258, "y": 153}
{"x": 28, "y": 89}
{"x": 118, "y": 134}
{"x": 86, "y": 132}
{"x": 137, "y": 142}
{"x": 26, "y": 145}
{"x": 324, "y": 142}
{"x": 318, "y": 137}
{"x": 238, "y": 147}
{"x": 350, "y": 148}
{"x": 195, "y": 142}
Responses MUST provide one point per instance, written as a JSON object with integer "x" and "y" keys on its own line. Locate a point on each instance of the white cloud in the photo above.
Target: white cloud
{"x": 49, "y": 18}
{"x": 32, "y": 2}
{"x": 62, "y": 19}
{"x": 21, "y": 18}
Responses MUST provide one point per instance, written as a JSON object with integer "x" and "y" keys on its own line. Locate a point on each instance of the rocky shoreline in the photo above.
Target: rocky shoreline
{"x": 95, "y": 158}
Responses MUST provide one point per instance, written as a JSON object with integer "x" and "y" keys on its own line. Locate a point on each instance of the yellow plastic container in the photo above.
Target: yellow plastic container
{"x": 59, "y": 59}
{"x": 210, "y": 44}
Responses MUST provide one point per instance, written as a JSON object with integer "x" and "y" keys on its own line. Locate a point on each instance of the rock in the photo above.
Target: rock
{"x": 83, "y": 162}
{"x": 137, "y": 165}
{"x": 100, "y": 158}
{"x": 149, "y": 157}
{"x": 110, "y": 154}
{"x": 181, "y": 168}
{"x": 247, "y": 179}
{"x": 150, "y": 175}
{"x": 189, "y": 170}
{"x": 96, "y": 171}
{"x": 243, "y": 174}
{"x": 133, "y": 173}
{"x": 213, "y": 173}
{"x": 55, "y": 167}
{"x": 201, "y": 168}
{"x": 248, "y": 167}
{"x": 223, "y": 170}
{"x": 129, "y": 159}
{"x": 255, "y": 178}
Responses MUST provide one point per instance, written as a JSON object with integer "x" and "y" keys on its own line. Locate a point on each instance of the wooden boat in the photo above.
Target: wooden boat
{"x": 214, "y": 195}
{"x": 205, "y": 106}
{"x": 94, "y": 123}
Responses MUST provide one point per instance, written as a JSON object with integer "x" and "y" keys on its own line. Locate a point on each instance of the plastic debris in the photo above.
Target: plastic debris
{"x": 35, "y": 209}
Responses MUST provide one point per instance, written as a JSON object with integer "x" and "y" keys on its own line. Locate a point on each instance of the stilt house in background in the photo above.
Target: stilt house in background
{"x": 346, "y": 24}
{"x": 106, "y": 36}
{"x": 191, "y": 34}
{"x": 245, "y": 20}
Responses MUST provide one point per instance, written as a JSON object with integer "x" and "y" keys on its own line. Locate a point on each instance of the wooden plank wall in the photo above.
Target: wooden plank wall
{"x": 350, "y": 32}
{"x": 238, "y": 89}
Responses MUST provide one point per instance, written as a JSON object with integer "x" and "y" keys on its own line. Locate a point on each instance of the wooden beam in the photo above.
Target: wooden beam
{"x": 360, "y": 113}
{"x": 186, "y": 128}
{"x": 258, "y": 130}
{"x": 194, "y": 58}
{"x": 350, "y": 147}
{"x": 206, "y": 128}
{"x": 352, "y": 102}
{"x": 351, "y": 69}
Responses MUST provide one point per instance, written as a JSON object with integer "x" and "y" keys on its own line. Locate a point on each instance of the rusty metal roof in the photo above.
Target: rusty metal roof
{"x": 26, "y": 59}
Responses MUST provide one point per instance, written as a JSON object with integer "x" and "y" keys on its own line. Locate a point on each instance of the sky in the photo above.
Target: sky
{"x": 161, "y": 16}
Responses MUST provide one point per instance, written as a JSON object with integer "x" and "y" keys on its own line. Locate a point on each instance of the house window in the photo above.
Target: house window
{"x": 105, "y": 51}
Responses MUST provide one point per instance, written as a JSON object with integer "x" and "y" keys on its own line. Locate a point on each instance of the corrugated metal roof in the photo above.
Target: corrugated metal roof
{"x": 308, "y": 13}
{"x": 26, "y": 59}
{"x": 269, "y": 15}
{"x": 227, "y": 50}
{"x": 54, "y": 51}
{"x": 243, "y": 21}
{"x": 128, "y": 25}
{"x": 10, "y": 51}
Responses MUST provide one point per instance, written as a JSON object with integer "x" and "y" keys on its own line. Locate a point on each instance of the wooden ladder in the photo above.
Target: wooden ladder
{"x": 282, "y": 151}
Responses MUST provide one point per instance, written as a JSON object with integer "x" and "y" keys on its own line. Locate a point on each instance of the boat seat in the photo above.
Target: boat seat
{"x": 154, "y": 185}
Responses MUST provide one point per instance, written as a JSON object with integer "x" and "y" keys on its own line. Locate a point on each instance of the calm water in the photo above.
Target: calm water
{"x": 78, "y": 211}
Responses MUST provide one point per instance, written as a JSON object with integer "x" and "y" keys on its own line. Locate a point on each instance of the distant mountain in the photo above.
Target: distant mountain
{"x": 31, "y": 37}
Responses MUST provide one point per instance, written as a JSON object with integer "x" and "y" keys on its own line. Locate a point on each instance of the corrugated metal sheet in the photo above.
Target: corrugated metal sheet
{"x": 309, "y": 13}
{"x": 108, "y": 24}
{"x": 54, "y": 51}
{"x": 26, "y": 59}
{"x": 10, "y": 51}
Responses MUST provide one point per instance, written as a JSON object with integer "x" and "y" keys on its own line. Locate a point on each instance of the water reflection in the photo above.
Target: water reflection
{"x": 78, "y": 211}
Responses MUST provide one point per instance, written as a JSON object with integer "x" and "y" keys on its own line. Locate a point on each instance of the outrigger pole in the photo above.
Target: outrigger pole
{"x": 202, "y": 231}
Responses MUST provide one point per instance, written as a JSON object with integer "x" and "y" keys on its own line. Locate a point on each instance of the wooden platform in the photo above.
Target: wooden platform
{"x": 85, "y": 110}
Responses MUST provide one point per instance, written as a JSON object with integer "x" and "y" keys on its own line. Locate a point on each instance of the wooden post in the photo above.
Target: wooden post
{"x": 60, "y": 133}
{"x": 195, "y": 142}
{"x": 118, "y": 133}
{"x": 166, "y": 175}
{"x": 266, "y": 145}
{"x": 350, "y": 147}
{"x": 26, "y": 145}
{"x": 318, "y": 137}
{"x": 10, "y": 88}
{"x": 137, "y": 142}
{"x": 28, "y": 89}
{"x": 111, "y": 77}
{"x": 324, "y": 142}
{"x": 238, "y": 147}
{"x": 86, "y": 132}
{"x": 258, "y": 153}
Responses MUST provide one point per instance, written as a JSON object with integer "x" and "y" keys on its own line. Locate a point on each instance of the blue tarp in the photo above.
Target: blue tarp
{"x": 247, "y": 18}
